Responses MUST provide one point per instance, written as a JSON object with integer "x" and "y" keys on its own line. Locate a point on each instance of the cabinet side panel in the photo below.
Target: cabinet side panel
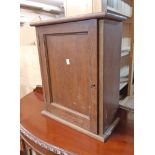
{"x": 41, "y": 66}
{"x": 111, "y": 70}
{"x": 101, "y": 31}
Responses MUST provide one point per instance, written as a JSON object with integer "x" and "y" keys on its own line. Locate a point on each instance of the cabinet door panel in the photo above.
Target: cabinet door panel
{"x": 68, "y": 55}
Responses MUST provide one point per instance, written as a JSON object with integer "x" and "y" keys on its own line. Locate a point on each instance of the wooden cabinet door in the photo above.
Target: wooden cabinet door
{"x": 68, "y": 56}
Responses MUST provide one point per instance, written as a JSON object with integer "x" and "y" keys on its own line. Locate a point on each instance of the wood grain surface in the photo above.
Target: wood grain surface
{"x": 102, "y": 15}
{"x": 70, "y": 89}
{"x": 67, "y": 140}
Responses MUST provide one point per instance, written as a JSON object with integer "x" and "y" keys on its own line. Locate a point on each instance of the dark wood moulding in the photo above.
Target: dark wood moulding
{"x": 112, "y": 16}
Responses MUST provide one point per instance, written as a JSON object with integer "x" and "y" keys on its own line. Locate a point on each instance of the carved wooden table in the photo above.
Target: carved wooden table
{"x": 47, "y": 136}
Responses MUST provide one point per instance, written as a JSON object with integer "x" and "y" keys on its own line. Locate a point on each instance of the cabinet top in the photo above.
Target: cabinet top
{"x": 102, "y": 15}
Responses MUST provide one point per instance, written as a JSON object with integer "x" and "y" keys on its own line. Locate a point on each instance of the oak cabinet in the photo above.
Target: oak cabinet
{"x": 80, "y": 65}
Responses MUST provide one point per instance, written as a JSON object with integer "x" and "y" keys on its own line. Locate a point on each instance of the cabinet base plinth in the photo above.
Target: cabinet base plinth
{"x": 102, "y": 138}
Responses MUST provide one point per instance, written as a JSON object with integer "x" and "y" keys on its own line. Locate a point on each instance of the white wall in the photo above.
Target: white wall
{"x": 30, "y": 75}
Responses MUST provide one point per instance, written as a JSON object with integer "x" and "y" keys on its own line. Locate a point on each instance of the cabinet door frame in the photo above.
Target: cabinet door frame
{"x": 89, "y": 26}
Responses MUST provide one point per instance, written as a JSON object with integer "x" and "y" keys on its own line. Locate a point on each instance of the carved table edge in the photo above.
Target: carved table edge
{"x": 44, "y": 144}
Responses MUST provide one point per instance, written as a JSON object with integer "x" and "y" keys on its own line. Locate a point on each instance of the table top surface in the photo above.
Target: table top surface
{"x": 62, "y": 139}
